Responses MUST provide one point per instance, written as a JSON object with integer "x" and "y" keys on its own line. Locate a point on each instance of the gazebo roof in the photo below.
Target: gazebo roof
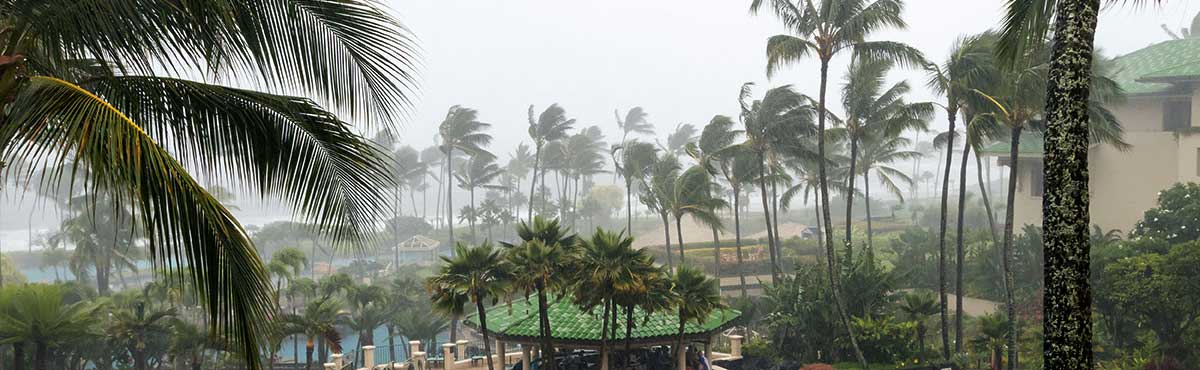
{"x": 571, "y": 326}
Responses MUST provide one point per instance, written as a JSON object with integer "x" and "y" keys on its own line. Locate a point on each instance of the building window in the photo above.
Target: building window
{"x": 1037, "y": 186}
{"x": 1177, "y": 114}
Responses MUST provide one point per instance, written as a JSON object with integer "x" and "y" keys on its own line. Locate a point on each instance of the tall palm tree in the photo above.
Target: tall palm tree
{"x": 543, "y": 257}
{"x": 970, "y": 66}
{"x": 461, "y": 130}
{"x": 696, "y": 296}
{"x": 608, "y": 268}
{"x": 873, "y": 111}
{"x": 432, "y": 157}
{"x": 1067, "y": 328}
{"x": 633, "y": 123}
{"x": 481, "y": 171}
{"x": 519, "y": 165}
{"x": 551, "y": 125}
{"x": 692, "y": 194}
{"x": 636, "y": 160}
{"x": 583, "y": 157}
{"x": 678, "y": 141}
{"x": 825, "y": 31}
{"x": 716, "y": 153}
{"x": 658, "y": 195}
{"x": 917, "y": 307}
{"x": 878, "y": 155}
{"x": 479, "y": 273}
{"x": 110, "y": 79}
{"x": 318, "y": 322}
{"x": 39, "y": 316}
{"x": 771, "y": 125}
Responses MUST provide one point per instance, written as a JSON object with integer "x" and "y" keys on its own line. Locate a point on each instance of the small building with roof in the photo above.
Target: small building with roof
{"x": 572, "y": 328}
{"x": 1160, "y": 82}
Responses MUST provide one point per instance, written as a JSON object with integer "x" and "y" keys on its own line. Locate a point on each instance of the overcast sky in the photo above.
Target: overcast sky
{"x": 683, "y": 61}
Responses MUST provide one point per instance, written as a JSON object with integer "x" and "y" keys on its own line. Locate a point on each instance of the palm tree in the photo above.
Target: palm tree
{"x": 876, "y": 112}
{"x": 634, "y": 122}
{"x": 583, "y": 157}
{"x": 608, "y": 267}
{"x": 460, "y": 130}
{"x": 692, "y": 194}
{"x": 678, "y": 141}
{"x": 696, "y": 295}
{"x": 318, "y": 322}
{"x": 478, "y": 273}
{"x": 135, "y": 324}
{"x": 109, "y": 79}
{"x": 968, "y": 67}
{"x": 878, "y": 155}
{"x": 917, "y": 307}
{"x": 636, "y": 160}
{"x": 551, "y": 125}
{"x": 993, "y": 331}
{"x": 543, "y": 258}
{"x": 481, "y": 171}
{"x": 716, "y": 153}
{"x": 518, "y": 166}
{"x": 826, "y": 31}
{"x": 38, "y": 317}
{"x": 658, "y": 195}
{"x": 103, "y": 235}
{"x": 771, "y": 125}
{"x": 1068, "y": 114}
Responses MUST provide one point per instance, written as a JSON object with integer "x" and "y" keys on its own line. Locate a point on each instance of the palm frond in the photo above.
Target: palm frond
{"x": 55, "y": 122}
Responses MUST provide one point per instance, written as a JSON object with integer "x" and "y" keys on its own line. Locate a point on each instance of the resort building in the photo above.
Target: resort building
{"x": 1161, "y": 82}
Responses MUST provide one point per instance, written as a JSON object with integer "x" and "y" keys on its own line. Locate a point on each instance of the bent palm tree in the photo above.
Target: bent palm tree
{"x": 715, "y": 152}
{"x": 636, "y": 160}
{"x": 95, "y": 84}
{"x": 481, "y": 171}
{"x": 460, "y": 130}
{"x": 696, "y": 296}
{"x": 551, "y": 125}
{"x": 318, "y": 322}
{"x": 833, "y": 27}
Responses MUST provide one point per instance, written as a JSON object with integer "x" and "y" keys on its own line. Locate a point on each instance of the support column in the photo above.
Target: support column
{"x": 336, "y": 359}
{"x": 604, "y": 358}
{"x": 526, "y": 354}
{"x": 680, "y": 357}
{"x": 448, "y": 356}
{"x": 735, "y": 346}
{"x": 368, "y": 357}
{"x": 418, "y": 360}
{"x": 708, "y": 348}
{"x": 503, "y": 354}
{"x": 414, "y": 346}
{"x": 331, "y": 366}
{"x": 462, "y": 349}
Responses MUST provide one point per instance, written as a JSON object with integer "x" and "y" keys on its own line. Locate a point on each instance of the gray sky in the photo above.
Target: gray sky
{"x": 683, "y": 61}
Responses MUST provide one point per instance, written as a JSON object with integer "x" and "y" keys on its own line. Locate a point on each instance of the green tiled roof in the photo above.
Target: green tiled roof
{"x": 570, "y": 323}
{"x": 1032, "y": 144}
{"x": 1142, "y": 71}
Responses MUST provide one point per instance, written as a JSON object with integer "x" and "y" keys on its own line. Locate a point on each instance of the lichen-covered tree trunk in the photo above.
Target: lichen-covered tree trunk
{"x": 1067, "y": 324}
{"x": 823, "y": 187}
{"x": 951, "y": 116}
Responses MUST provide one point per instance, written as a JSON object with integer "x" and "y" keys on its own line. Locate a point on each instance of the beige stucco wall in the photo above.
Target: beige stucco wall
{"x": 1140, "y": 114}
{"x": 1028, "y": 207}
{"x": 1125, "y": 184}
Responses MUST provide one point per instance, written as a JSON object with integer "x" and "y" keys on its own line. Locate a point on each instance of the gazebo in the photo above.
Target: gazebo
{"x": 574, "y": 328}
{"x": 419, "y": 248}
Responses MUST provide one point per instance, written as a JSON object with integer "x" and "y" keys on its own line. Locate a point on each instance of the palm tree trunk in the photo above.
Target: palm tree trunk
{"x": 737, "y": 238}
{"x": 1009, "y": 300}
{"x": 308, "y": 352}
{"x": 987, "y": 203}
{"x": 629, "y": 207}
{"x": 951, "y": 116}
{"x": 717, "y": 257}
{"x": 867, "y": 203}
{"x": 391, "y": 330}
{"x": 960, "y": 253}
{"x": 18, "y": 356}
{"x": 475, "y": 214}
{"x": 537, "y": 161}
{"x": 483, "y": 331}
{"x": 450, "y": 198}
{"x": 1067, "y": 325}
{"x": 824, "y": 187}
{"x": 548, "y": 358}
{"x": 762, "y": 185}
{"x": 667, "y": 237}
{"x": 679, "y": 233}
{"x": 820, "y": 225}
{"x": 679, "y": 344}
{"x": 775, "y": 211}
{"x": 604, "y": 333}
{"x": 850, "y": 202}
